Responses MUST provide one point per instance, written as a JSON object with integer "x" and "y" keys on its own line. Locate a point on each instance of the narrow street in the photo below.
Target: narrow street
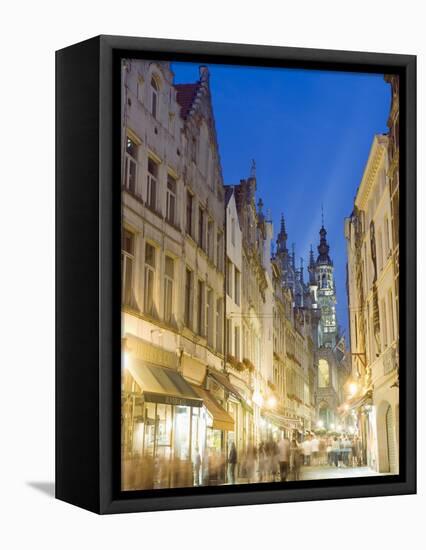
{"x": 329, "y": 472}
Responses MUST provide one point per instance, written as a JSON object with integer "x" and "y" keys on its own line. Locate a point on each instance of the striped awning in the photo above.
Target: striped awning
{"x": 162, "y": 384}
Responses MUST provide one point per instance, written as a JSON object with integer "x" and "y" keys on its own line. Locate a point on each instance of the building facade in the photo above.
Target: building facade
{"x": 373, "y": 312}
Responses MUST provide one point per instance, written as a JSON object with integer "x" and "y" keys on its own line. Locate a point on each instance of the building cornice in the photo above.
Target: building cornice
{"x": 376, "y": 155}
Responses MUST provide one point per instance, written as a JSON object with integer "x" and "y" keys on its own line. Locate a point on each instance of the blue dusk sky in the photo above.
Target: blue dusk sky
{"x": 310, "y": 133}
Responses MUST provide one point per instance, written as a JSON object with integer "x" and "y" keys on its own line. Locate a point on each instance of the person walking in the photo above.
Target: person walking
{"x": 347, "y": 446}
{"x": 232, "y": 463}
{"x": 306, "y": 450}
{"x": 295, "y": 459}
{"x": 335, "y": 452}
{"x": 284, "y": 456}
{"x": 314, "y": 450}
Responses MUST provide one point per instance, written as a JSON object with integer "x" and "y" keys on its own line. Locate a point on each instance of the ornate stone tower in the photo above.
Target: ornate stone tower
{"x": 326, "y": 294}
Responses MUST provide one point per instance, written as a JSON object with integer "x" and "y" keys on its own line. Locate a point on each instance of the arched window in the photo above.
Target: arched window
{"x": 323, "y": 373}
{"x": 154, "y": 97}
{"x": 324, "y": 281}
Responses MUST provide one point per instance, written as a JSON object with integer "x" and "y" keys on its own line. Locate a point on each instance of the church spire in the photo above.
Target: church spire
{"x": 282, "y": 238}
{"x": 323, "y": 248}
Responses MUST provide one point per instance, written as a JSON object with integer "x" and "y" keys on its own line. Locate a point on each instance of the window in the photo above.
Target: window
{"x": 324, "y": 281}
{"x": 200, "y": 308}
{"x": 171, "y": 200}
{"x": 209, "y": 316}
{"x": 140, "y": 89}
{"x": 237, "y": 342}
{"x": 233, "y": 231}
{"x": 152, "y": 182}
{"x": 154, "y": 97}
{"x": 189, "y": 210}
{"x": 169, "y": 269}
{"x": 229, "y": 336}
{"x": 219, "y": 250}
{"x": 391, "y": 318}
{"x": 384, "y": 324}
{"x": 229, "y": 278}
{"x": 130, "y": 165}
{"x": 188, "y": 298}
{"x": 210, "y": 237}
{"x": 387, "y": 239}
{"x": 379, "y": 251}
{"x": 201, "y": 227}
{"x": 149, "y": 281}
{"x": 127, "y": 263}
{"x": 323, "y": 374}
{"x": 237, "y": 276}
{"x": 219, "y": 336}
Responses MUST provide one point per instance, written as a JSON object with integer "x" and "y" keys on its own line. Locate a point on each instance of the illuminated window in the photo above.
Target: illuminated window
{"x": 323, "y": 374}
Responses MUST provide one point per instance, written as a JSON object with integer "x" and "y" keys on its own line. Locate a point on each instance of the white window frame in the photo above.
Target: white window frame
{"x": 168, "y": 291}
{"x": 149, "y": 272}
{"x": 152, "y": 181}
{"x": 127, "y": 258}
{"x": 171, "y": 197}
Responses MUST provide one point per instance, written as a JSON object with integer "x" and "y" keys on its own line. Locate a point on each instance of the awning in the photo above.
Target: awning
{"x": 221, "y": 419}
{"x": 223, "y": 380}
{"x": 282, "y": 421}
{"x": 366, "y": 399}
{"x": 163, "y": 384}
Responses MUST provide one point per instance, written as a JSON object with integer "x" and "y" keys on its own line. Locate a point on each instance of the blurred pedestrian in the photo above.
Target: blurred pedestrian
{"x": 295, "y": 459}
{"x": 284, "y": 456}
{"x": 232, "y": 463}
{"x": 306, "y": 450}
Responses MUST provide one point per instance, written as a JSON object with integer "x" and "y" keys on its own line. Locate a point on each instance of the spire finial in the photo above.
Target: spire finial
{"x": 253, "y": 169}
{"x": 322, "y": 215}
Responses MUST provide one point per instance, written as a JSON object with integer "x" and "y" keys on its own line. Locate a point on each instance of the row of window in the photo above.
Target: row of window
{"x": 233, "y": 282}
{"x": 203, "y": 311}
{"x": 198, "y": 223}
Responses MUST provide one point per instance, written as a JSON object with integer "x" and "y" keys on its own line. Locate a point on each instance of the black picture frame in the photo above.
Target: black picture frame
{"x": 88, "y": 274}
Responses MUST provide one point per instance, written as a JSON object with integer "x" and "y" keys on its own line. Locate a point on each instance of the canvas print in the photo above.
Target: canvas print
{"x": 260, "y": 275}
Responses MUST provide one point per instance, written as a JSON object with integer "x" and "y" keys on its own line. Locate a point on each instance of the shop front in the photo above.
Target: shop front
{"x": 164, "y": 427}
{"x": 220, "y": 427}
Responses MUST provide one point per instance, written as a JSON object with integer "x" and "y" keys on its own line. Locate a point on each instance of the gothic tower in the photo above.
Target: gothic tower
{"x": 326, "y": 294}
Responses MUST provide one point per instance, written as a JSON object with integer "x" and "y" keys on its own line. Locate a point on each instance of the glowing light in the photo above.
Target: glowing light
{"x": 353, "y": 388}
{"x": 125, "y": 359}
{"x": 332, "y": 426}
{"x": 352, "y": 430}
{"x": 272, "y": 401}
{"x": 320, "y": 424}
{"x": 339, "y": 427}
{"x": 258, "y": 398}
{"x": 345, "y": 407}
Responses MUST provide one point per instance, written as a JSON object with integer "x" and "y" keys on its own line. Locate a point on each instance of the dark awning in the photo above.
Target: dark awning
{"x": 221, "y": 419}
{"x": 223, "y": 380}
{"x": 163, "y": 384}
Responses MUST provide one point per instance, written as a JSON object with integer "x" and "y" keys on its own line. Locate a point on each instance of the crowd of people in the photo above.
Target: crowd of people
{"x": 273, "y": 459}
